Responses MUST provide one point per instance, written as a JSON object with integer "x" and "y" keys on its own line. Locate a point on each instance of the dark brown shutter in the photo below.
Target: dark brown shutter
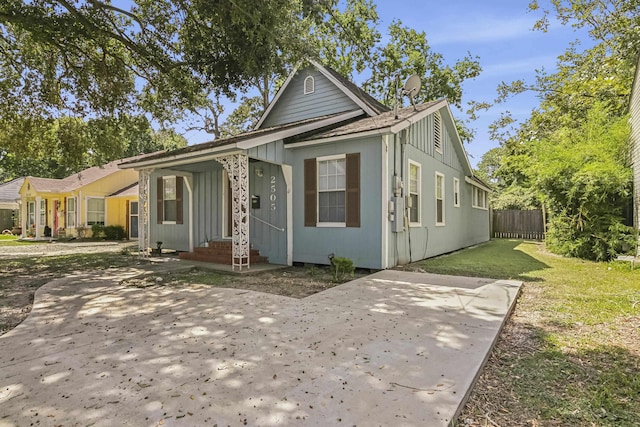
{"x": 310, "y": 193}
{"x": 179, "y": 181}
{"x": 160, "y": 195}
{"x": 353, "y": 190}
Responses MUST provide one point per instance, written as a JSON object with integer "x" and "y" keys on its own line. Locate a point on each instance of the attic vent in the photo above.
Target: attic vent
{"x": 437, "y": 131}
{"x": 309, "y": 85}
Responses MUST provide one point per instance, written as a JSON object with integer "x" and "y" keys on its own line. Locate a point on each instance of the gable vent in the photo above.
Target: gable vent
{"x": 309, "y": 85}
{"x": 437, "y": 131}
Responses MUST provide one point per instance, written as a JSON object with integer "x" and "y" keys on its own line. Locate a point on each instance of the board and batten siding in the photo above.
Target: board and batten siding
{"x": 294, "y": 105}
{"x": 272, "y": 152}
{"x": 421, "y": 136}
{"x": 635, "y": 146}
{"x": 207, "y": 204}
{"x": 172, "y": 236}
{"x": 363, "y": 244}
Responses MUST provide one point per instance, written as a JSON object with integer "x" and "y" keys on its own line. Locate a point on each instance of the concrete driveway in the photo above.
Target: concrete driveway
{"x": 390, "y": 349}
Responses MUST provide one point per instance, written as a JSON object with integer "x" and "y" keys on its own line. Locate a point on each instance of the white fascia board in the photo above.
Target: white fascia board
{"x": 285, "y": 133}
{"x": 417, "y": 117}
{"x": 477, "y": 184}
{"x": 275, "y": 99}
{"x": 196, "y": 157}
{"x": 346, "y": 91}
{"x": 383, "y": 131}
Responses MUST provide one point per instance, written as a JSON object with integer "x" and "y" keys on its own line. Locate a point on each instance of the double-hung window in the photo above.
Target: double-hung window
{"x": 332, "y": 182}
{"x": 43, "y": 213}
{"x": 95, "y": 211}
{"x": 456, "y": 192}
{"x": 71, "y": 212}
{"x": 439, "y": 198}
{"x": 169, "y": 199}
{"x": 332, "y": 191}
{"x": 414, "y": 192}
{"x": 479, "y": 198}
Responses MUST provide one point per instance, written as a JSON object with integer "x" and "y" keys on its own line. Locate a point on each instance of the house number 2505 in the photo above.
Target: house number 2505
{"x": 272, "y": 196}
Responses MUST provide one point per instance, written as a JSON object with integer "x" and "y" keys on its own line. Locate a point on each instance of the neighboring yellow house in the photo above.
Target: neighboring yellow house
{"x": 102, "y": 195}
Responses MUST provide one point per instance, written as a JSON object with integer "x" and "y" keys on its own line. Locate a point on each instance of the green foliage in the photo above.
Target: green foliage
{"x": 114, "y": 232}
{"x": 97, "y": 230}
{"x": 342, "y": 267}
{"x": 585, "y": 182}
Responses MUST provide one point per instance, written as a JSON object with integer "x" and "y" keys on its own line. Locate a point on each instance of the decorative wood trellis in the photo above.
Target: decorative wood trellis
{"x": 237, "y": 167}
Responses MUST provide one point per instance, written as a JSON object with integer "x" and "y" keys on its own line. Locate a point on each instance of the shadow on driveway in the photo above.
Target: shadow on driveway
{"x": 394, "y": 348}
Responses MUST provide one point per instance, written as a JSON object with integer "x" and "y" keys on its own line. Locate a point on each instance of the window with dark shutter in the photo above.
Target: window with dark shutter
{"x": 332, "y": 191}
{"x": 170, "y": 199}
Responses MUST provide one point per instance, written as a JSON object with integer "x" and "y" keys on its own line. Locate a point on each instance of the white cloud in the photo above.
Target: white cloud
{"x": 480, "y": 29}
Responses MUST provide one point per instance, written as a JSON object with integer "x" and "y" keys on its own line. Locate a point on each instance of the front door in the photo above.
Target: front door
{"x": 133, "y": 219}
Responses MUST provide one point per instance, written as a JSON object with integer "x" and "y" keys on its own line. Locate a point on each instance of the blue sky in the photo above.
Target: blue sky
{"x": 499, "y": 32}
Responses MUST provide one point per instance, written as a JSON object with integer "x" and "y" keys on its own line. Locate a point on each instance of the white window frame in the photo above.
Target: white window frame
{"x": 318, "y": 191}
{"x": 442, "y": 198}
{"x": 437, "y": 132}
{"x": 456, "y": 192}
{"x": 31, "y": 213}
{"x": 417, "y": 193}
{"x": 43, "y": 212}
{"x": 477, "y": 192}
{"x": 68, "y": 213}
{"x": 312, "y": 85}
{"x": 87, "y": 211}
{"x": 164, "y": 199}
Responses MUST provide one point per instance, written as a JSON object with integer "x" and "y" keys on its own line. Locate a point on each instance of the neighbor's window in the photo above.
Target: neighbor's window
{"x": 32, "y": 213}
{"x": 43, "y": 213}
{"x": 309, "y": 85}
{"x": 479, "y": 198}
{"x": 95, "y": 211}
{"x": 439, "y": 199}
{"x": 169, "y": 198}
{"x": 456, "y": 192}
{"x": 71, "y": 212}
{"x": 331, "y": 189}
{"x": 414, "y": 192}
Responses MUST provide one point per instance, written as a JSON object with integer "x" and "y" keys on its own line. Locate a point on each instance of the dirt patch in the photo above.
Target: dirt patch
{"x": 295, "y": 282}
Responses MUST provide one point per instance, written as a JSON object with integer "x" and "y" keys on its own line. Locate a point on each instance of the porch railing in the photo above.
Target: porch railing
{"x": 267, "y": 223}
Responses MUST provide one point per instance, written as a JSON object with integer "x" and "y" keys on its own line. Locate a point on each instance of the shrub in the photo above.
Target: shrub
{"x": 97, "y": 230}
{"x": 114, "y": 232}
{"x": 342, "y": 267}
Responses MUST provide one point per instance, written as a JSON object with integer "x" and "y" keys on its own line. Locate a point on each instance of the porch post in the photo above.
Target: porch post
{"x": 143, "y": 212}
{"x": 37, "y": 216}
{"x": 237, "y": 167}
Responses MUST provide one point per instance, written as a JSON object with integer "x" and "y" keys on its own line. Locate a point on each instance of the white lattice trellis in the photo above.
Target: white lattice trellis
{"x": 143, "y": 212}
{"x": 237, "y": 167}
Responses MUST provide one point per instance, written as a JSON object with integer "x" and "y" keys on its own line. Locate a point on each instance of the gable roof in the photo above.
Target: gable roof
{"x": 77, "y": 180}
{"x": 10, "y": 190}
{"x": 366, "y": 102}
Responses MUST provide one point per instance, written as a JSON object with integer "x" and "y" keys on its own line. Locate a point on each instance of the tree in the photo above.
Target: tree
{"x": 585, "y": 181}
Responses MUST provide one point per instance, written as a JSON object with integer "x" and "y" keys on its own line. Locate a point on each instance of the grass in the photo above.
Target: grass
{"x": 11, "y": 240}
{"x": 571, "y": 354}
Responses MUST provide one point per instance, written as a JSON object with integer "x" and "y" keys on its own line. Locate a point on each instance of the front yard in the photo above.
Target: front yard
{"x": 568, "y": 356}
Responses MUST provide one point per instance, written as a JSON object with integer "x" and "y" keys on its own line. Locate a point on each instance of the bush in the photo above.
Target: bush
{"x": 342, "y": 267}
{"x": 114, "y": 232}
{"x": 97, "y": 230}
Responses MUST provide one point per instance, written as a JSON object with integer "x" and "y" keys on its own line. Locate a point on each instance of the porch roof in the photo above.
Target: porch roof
{"x": 245, "y": 141}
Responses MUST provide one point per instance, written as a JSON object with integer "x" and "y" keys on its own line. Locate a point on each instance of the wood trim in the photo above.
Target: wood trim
{"x": 310, "y": 193}
{"x": 352, "y": 201}
{"x": 179, "y": 199}
{"x": 160, "y": 201}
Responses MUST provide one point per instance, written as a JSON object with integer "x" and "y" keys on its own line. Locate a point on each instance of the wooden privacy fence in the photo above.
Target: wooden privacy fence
{"x": 516, "y": 224}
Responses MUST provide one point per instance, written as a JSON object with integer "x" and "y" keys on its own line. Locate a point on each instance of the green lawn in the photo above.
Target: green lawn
{"x": 10, "y": 240}
{"x": 571, "y": 355}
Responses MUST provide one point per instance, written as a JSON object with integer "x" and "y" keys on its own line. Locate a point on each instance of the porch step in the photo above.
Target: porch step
{"x": 220, "y": 253}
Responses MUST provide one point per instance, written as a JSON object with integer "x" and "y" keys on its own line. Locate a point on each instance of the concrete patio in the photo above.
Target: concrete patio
{"x": 390, "y": 349}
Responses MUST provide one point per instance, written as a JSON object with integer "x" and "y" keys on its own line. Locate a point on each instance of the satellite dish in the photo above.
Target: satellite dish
{"x": 412, "y": 87}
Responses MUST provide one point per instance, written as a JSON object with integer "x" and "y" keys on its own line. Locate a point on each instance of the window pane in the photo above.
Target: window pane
{"x": 170, "y": 212}
{"x": 134, "y": 208}
{"x": 413, "y": 211}
{"x": 170, "y": 188}
{"x": 331, "y": 206}
{"x": 439, "y": 215}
